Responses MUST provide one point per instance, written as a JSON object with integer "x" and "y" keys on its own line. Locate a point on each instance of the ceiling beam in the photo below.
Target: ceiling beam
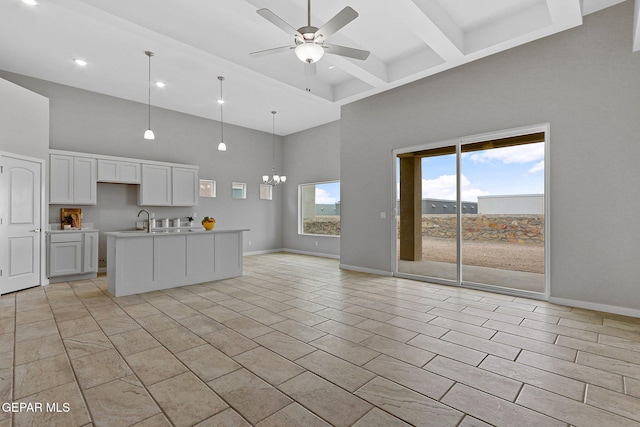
{"x": 429, "y": 21}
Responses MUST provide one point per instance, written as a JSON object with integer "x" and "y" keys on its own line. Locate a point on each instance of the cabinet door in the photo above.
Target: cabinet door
{"x": 129, "y": 173}
{"x": 155, "y": 188}
{"x": 185, "y": 186}
{"x": 61, "y": 179}
{"x": 65, "y": 258}
{"x": 107, "y": 170}
{"x": 85, "y": 180}
{"x": 90, "y": 256}
{"x": 118, "y": 171}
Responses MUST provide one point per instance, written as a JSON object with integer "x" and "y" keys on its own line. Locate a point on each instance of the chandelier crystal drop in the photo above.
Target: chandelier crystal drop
{"x": 275, "y": 179}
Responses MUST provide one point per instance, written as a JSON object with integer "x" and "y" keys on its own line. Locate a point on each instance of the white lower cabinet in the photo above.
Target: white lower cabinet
{"x": 72, "y": 255}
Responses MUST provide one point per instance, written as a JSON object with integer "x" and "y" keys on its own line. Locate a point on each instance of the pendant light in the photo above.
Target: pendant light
{"x": 222, "y": 146}
{"x": 275, "y": 179}
{"x": 148, "y": 134}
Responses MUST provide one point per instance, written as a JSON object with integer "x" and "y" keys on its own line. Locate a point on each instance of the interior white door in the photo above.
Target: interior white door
{"x": 20, "y": 223}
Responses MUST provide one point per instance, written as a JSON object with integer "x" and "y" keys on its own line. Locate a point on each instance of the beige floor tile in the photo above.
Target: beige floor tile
{"x": 599, "y": 329}
{"x": 263, "y": 316}
{"x": 578, "y": 372}
{"x": 292, "y": 415}
{"x": 284, "y": 345}
{"x": 561, "y": 329}
{"x": 303, "y": 316}
{"x": 569, "y": 411}
{"x": 86, "y": 344}
{"x": 387, "y": 330}
{"x": 542, "y": 379}
{"x": 481, "y": 344}
{"x": 308, "y": 306}
{"x": 186, "y": 400}
{"x": 268, "y": 304}
{"x": 117, "y": 325}
{"x": 632, "y": 387}
{"x": 493, "y": 410}
{"x": 133, "y": 341}
{"x": 465, "y": 328}
{"x": 522, "y": 331}
{"x": 248, "y": 327}
{"x": 630, "y": 324}
{"x": 536, "y": 346}
{"x": 495, "y": 384}
{"x": 331, "y": 303}
{"x": 155, "y": 365}
{"x": 81, "y": 325}
{"x": 468, "y": 421}
{"x": 408, "y": 353}
{"x": 158, "y": 420}
{"x": 268, "y": 365}
{"x": 429, "y": 329}
{"x": 458, "y": 316}
{"x": 201, "y": 324}
{"x": 447, "y": 349}
{"x": 408, "y": 405}
{"x": 326, "y": 400}
{"x": 141, "y": 310}
{"x": 609, "y": 364}
{"x": 41, "y": 375}
{"x": 207, "y": 362}
{"x": 505, "y": 318}
{"x": 226, "y": 418}
{"x": 236, "y": 304}
{"x": 379, "y": 418}
{"x": 178, "y": 339}
{"x": 30, "y": 331}
{"x": 6, "y": 364}
{"x": 121, "y": 402}
{"x": 341, "y": 316}
{"x": 99, "y": 368}
{"x": 220, "y": 313}
{"x": 627, "y": 406}
{"x": 106, "y": 311}
{"x": 197, "y": 302}
{"x": 229, "y": 342}
{"x": 619, "y": 342}
{"x": 73, "y": 414}
{"x": 252, "y": 397}
{"x": 37, "y": 349}
{"x": 630, "y": 356}
{"x": 338, "y": 371}
{"x": 178, "y": 310}
{"x": 30, "y": 316}
{"x": 417, "y": 379}
{"x": 540, "y": 317}
{"x": 344, "y": 349}
{"x": 343, "y": 331}
{"x": 157, "y": 322}
{"x": 298, "y": 330}
{"x": 369, "y": 313}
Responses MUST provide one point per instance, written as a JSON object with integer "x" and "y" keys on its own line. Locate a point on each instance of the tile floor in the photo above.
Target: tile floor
{"x": 298, "y": 342}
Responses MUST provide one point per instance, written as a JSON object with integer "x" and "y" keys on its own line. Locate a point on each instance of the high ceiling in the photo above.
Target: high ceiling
{"x": 195, "y": 41}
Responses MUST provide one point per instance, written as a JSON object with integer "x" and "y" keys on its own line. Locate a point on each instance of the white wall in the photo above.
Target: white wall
{"x": 585, "y": 83}
{"x": 309, "y": 156}
{"x": 24, "y": 121}
{"x": 93, "y": 123}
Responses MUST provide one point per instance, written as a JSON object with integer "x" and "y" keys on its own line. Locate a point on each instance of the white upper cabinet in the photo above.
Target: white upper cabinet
{"x": 73, "y": 180}
{"x": 185, "y": 186}
{"x": 155, "y": 188}
{"x": 118, "y": 171}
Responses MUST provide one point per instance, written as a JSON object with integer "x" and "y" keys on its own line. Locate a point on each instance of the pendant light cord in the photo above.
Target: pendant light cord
{"x": 273, "y": 142}
{"x": 149, "y": 54}
{"x": 221, "y": 116}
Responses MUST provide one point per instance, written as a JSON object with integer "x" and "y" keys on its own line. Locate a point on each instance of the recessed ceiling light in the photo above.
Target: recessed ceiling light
{"x": 80, "y": 62}
{"x": 160, "y": 84}
{"x": 331, "y": 67}
{"x": 31, "y": 2}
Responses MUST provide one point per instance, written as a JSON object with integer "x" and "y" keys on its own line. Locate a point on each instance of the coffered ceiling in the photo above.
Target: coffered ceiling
{"x": 195, "y": 41}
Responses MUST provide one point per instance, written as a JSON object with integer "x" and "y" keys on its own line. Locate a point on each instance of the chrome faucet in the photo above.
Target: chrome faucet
{"x": 148, "y": 219}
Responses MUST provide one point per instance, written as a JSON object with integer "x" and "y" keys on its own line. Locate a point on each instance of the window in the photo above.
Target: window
{"x": 319, "y": 212}
{"x": 207, "y": 188}
{"x": 266, "y": 192}
{"x": 238, "y": 190}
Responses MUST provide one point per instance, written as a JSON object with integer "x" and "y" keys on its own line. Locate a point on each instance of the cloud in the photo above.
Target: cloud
{"x": 324, "y": 198}
{"x": 444, "y": 187}
{"x": 518, "y": 154}
{"x": 537, "y": 167}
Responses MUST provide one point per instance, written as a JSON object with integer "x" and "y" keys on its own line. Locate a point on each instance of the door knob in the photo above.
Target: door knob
{"x": 37, "y": 230}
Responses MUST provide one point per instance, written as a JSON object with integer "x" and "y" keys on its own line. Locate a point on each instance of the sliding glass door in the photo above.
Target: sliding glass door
{"x": 473, "y": 213}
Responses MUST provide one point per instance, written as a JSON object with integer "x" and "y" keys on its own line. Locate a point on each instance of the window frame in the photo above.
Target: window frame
{"x": 300, "y": 208}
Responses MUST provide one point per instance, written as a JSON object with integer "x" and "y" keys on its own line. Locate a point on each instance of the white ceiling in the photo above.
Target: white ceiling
{"x": 195, "y": 41}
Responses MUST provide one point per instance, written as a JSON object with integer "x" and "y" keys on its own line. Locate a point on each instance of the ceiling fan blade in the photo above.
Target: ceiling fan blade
{"x": 278, "y": 22}
{"x": 343, "y": 17}
{"x": 271, "y": 51}
{"x": 346, "y": 51}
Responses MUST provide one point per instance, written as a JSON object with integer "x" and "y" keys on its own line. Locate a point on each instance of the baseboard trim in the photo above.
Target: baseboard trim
{"x": 266, "y": 251}
{"x": 319, "y": 254}
{"x": 366, "y": 270}
{"x": 606, "y": 308}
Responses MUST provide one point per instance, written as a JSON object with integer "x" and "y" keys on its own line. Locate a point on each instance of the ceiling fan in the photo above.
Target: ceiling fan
{"x": 309, "y": 41}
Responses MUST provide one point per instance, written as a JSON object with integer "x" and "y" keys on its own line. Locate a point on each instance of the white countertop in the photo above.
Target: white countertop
{"x": 71, "y": 230}
{"x": 171, "y": 232}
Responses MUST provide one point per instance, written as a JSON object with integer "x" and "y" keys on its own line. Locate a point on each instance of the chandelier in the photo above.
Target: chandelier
{"x": 275, "y": 179}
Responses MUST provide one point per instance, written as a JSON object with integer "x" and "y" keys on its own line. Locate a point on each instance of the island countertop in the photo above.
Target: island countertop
{"x": 159, "y": 232}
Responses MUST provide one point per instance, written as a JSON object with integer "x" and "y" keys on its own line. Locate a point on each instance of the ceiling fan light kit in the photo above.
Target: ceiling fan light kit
{"x": 309, "y": 41}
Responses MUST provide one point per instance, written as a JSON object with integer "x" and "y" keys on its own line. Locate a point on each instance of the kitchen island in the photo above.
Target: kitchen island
{"x": 138, "y": 261}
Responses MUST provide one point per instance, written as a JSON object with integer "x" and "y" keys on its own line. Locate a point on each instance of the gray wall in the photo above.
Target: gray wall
{"x": 309, "y": 156}
{"x": 93, "y": 123}
{"x": 24, "y": 121}
{"x": 585, "y": 83}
